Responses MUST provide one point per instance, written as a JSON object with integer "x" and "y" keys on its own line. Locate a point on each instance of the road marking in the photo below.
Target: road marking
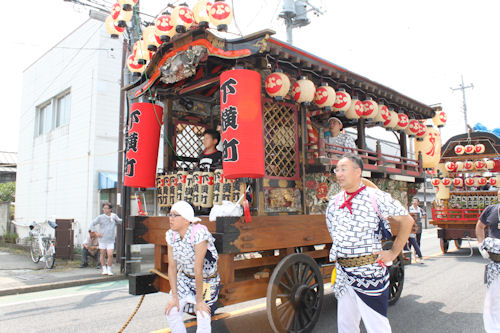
{"x": 42, "y": 296}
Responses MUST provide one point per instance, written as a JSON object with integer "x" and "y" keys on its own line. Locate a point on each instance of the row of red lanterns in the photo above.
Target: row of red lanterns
{"x": 469, "y": 165}
{"x": 277, "y": 85}
{"x": 166, "y": 26}
{"x": 469, "y": 149}
{"x": 469, "y": 181}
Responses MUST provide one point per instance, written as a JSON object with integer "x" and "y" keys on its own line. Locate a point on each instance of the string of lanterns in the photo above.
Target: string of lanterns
{"x": 303, "y": 91}
{"x": 166, "y": 26}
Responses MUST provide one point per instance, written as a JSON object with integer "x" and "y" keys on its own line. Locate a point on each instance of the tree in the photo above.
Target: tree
{"x": 7, "y": 191}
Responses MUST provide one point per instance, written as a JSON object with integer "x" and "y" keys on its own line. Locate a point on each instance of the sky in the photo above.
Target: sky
{"x": 418, "y": 48}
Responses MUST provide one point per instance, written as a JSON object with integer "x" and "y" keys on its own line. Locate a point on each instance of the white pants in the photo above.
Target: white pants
{"x": 177, "y": 324}
{"x": 350, "y": 310}
{"x": 491, "y": 313}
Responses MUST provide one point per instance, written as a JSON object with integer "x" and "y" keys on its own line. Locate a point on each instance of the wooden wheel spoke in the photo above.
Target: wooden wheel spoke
{"x": 284, "y": 286}
{"x": 309, "y": 279}
{"x": 288, "y": 278}
{"x": 306, "y": 271}
{"x": 294, "y": 274}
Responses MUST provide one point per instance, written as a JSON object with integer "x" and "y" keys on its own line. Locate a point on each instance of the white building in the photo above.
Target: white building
{"x": 69, "y": 129}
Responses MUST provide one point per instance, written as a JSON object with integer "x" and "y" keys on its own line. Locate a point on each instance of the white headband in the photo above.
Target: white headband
{"x": 185, "y": 210}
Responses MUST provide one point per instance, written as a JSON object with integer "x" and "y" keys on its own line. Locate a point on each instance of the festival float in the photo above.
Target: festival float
{"x": 466, "y": 182}
{"x": 271, "y": 101}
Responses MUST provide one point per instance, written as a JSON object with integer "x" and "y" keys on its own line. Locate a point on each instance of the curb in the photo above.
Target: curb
{"x": 58, "y": 285}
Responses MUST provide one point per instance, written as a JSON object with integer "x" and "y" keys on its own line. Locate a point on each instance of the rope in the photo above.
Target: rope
{"x": 132, "y": 315}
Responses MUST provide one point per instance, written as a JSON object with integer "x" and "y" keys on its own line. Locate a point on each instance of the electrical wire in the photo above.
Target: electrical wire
{"x": 234, "y": 19}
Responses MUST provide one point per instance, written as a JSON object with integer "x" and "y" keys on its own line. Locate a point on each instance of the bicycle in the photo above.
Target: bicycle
{"x": 42, "y": 247}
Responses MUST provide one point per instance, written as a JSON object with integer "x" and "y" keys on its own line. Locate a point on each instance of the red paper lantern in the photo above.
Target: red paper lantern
{"x": 481, "y": 181}
{"x": 383, "y": 115}
{"x": 142, "y": 145}
{"x": 148, "y": 34}
{"x": 402, "y": 122}
{"x": 460, "y": 165}
{"x": 439, "y": 118}
{"x": 413, "y": 128}
{"x": 370, "y": 109}
{"x": 303, "y": 91}
{"x": 277, "y": 85}
{"x": 479, "y": 148}
{"x": 446, "y": 181}
{"x": 430, "y": 148}
{"x": 164, "y": 27}
{"x": 458, "y": 182}
{"x": 480, "y": 165}
{"x": 324, "y": 97}
{"x": 221, "y": 15}
{"x": 392, "y": 122}
{"x": 436, "y": 181}
{"x": 134, "y": 66}
{"x": 468, "y": 166}
{"x": 422, "y": 131}
{"x": 490, "y": 164}
{"x": 241, "y": 115}
{"x": 113, "y": 29}
{"x": 355, "y": 110}
{"x": 470, "y": 181}
{"x": 201, "y": 13}
{"x": 469, "y": 149}
{"x": 450, "y": 166}
{"x": 115, "y": 11}
{"x": 342, "y": 101}
{"x": 493, "y": 181}
{"x": 459, "y": 149}
{"x": 182, "y": 18}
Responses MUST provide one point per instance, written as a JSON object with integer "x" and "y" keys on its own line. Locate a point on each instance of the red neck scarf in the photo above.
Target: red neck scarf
{"x": 347, "y": 201}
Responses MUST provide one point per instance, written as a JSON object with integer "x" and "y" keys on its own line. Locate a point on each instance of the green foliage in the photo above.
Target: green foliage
{"x": 10, "y": 237}
{"x": 7, "y": 191}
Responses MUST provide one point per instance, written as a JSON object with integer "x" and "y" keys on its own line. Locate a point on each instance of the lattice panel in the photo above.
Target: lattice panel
{"x": 280, "y": 141}
{"x": 188, "y": 142}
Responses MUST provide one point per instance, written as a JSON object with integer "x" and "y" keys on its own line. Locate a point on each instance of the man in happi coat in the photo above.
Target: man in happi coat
{"x": 490, "y": 249}
{"x": 357, "y": 221}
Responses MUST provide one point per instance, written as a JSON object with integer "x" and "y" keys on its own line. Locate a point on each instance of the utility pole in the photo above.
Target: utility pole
{"x": 463, "y": 87}
{"x": 295, "y": 15}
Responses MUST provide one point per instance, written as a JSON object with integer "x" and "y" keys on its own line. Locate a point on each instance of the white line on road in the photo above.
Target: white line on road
{"x": 44, "y": 296}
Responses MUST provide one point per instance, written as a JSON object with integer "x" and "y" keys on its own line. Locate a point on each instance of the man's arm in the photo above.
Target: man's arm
{"x": 480, "y": 234}
{"x": 405, "y": 223}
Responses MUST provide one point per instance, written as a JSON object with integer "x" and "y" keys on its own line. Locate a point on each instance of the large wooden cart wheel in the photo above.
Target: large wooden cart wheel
{"x": 458, "y": 243}
{"x": 397, "y": 275}
{"x": 444, "y": 245}
{"x": 295, "y": 294}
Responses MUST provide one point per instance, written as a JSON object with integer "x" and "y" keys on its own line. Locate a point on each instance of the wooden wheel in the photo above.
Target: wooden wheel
{"x": 458, "y": 243}
{"x": 444, "y": 244}
{"x": 295, "y": 294}
{"x": 397, "y": 275}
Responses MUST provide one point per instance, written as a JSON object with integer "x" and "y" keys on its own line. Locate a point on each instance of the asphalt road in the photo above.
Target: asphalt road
{"x": 443, "y": 295}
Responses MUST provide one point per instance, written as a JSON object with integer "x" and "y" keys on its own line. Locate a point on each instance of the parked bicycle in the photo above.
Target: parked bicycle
{"x": 42, "y": 247}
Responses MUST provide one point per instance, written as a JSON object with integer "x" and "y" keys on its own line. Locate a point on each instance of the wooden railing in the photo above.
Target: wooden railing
{"x": 456, "y": 214}
{"x": 326, "y": 153}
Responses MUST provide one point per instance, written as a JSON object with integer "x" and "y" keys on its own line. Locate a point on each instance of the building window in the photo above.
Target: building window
{"x": 62, "y": 109}
{"x": 44, "y": 119}
{"x": 53, "y": 113}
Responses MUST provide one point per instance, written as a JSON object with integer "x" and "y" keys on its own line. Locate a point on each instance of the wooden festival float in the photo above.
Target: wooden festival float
{"x": 271, "y": 101}
{"x": 466, "y": 182}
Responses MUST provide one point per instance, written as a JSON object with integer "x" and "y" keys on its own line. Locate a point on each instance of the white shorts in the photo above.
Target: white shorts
{"x": 106, "y": 246}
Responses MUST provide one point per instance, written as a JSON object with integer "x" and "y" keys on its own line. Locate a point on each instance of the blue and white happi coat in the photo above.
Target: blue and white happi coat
{"x": 492, "y": 245}
{"x": 184, "y": 254}
{"x": 358, "y": 234}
